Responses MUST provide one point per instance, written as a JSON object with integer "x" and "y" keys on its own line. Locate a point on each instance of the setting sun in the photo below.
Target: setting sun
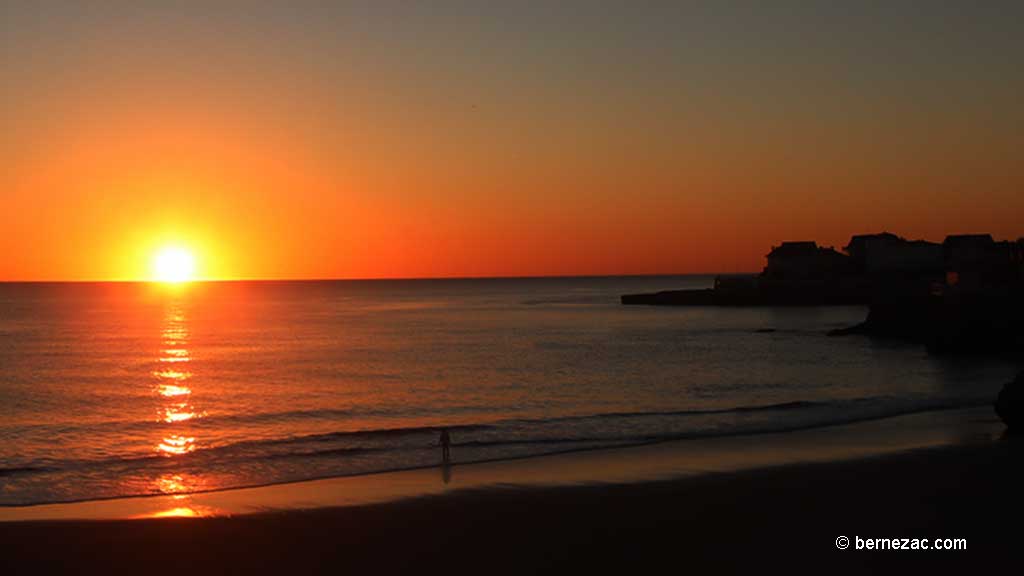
{"x": 173, "y": 265}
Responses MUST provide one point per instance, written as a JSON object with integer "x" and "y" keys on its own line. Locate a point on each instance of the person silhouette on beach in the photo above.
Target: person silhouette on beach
{"x": 446, "y": 441}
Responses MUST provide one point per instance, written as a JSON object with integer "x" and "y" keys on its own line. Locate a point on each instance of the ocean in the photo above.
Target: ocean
{"x": 121, "y": 389}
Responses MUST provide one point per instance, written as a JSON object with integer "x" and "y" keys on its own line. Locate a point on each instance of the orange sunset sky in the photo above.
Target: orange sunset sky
{"x": 397, "y": 139}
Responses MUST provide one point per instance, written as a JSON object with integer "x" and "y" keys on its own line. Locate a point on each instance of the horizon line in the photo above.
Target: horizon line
{"x": 383, "y": 279}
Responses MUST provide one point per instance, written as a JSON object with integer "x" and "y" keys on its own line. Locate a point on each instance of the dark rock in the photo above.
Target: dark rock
{"x": 704, "y": 297}
{"x": 1010, "y": 404}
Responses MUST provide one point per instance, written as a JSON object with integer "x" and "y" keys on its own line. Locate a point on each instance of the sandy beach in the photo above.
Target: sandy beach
{"x": 726, "y": 504}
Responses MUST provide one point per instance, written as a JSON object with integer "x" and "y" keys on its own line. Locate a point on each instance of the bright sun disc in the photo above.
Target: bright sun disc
{"x": 173, "y": 265}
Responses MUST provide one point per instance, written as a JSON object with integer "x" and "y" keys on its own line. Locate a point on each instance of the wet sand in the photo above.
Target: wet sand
{"x": 747, "y": 504}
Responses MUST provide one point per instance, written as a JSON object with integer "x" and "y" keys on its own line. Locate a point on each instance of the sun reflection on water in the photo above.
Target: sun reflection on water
{"x": 176, "y": 444}
{"x": 170, "y": 390}
{"x": 172, "y": 484}
{"x": 179, "y": 486}
{"x": 174, "y": 393}
{"x": 175, "y": 336}
{"x": 179, "y": 413}
{"x": 174, "y": 355}
{"x": 178, "y": 375}
{"x": 193, "y": 511}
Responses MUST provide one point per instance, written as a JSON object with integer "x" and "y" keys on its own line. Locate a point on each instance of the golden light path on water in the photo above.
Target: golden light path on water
{"x": 185, "y": 512}
{"x": 173, "y": 391}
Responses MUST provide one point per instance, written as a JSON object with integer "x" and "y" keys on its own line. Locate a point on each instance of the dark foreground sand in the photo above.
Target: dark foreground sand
{"x": 781, "y": 519}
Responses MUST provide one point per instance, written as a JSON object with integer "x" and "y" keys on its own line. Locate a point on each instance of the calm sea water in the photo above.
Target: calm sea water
{"x": 126, "y": 389}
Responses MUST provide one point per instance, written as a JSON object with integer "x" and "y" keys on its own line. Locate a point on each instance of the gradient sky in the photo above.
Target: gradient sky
{"x": 405, "y": 139}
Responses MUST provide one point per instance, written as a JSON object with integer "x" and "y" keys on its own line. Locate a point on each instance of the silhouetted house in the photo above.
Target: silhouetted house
{"x": 963, "y": 249}
{"x": 913, "y": 257}
{"x": 805, "y": 262}
{"x": 887, "y": 253}
{"x": 977, "y": 262}
{"x": 863, "y": 247}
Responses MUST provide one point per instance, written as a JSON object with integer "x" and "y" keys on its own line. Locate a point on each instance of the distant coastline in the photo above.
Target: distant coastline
{"x": 963, "y": 295}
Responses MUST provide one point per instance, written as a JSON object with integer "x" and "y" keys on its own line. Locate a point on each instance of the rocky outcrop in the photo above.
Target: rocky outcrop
{"x": 672, "y": 298}
{"x": 986, "y": 322}
{"x": 762, "y": 294}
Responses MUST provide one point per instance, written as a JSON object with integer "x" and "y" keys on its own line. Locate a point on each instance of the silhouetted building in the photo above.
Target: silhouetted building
{"x": 887, "y": 253}
{"x": 912, "y": 286}
{"x": 977, "y": 262}
{"x": 804, "y": 262}
{"x": 863, "y": 246}
{"x": 967, "y": 249}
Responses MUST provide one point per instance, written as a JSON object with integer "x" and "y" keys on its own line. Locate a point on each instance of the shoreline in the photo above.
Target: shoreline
{"x": 749, "y": 434}
{"x": 960, "y": 486}
{"x": 627, "y": 465}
